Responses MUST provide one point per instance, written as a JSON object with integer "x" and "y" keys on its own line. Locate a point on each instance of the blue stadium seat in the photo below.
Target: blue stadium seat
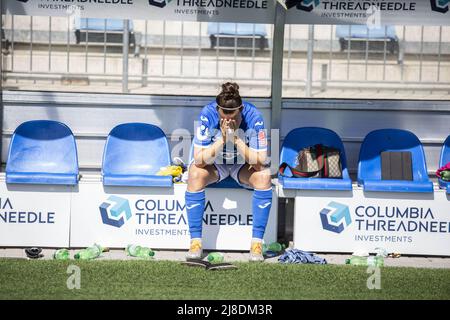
{"x": 445, "y": 158}
{"x": 106, "y": 31}
{"x": 301, "y": 138}
{"x": 363, "y": 32}
{"x": 239, "y": 29}
{"x": 42, "y": 152}
{"x": 361, "y": 38}
{"x": 95, "y": 24}
{"x": 369, "y": 166}
{"x": 246, "y": 35}
{"x": 134, "y": 153}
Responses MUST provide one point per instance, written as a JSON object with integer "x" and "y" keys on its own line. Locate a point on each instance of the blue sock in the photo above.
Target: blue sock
{"x": 195, "y": 205}
{"x": 262, "y": 202}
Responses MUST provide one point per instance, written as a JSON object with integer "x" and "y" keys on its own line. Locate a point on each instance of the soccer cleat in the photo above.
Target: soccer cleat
{"x": 256, "y": 250}
{"x": 195, "y": 250}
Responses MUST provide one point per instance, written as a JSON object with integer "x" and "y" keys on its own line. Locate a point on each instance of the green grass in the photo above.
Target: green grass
{"x": 23, "y": 279}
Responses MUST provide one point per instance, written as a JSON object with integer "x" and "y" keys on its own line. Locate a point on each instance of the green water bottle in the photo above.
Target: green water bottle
{"x": 146, "y": 253}
{"x": 89, "y": 253}
{"x": 140, "y": 252}
{"x": 61, "y": 254}
{"x": 274, "y": 248}
{"x": 132, "y": 250}
{"x": 215, "y": 257}
{"x": 375, "y": 261}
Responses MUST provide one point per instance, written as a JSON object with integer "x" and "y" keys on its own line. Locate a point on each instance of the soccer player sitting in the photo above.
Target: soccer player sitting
{"x": 230, "y": 140}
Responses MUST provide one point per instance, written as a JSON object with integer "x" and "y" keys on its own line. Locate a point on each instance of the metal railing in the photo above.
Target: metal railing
{"x": 397, "y": 63}
{"x": 178, "y": 57}
{"x": 173, "y": 57}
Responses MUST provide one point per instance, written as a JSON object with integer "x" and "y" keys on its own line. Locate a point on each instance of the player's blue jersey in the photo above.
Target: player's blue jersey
{"x": 207, "y": 129}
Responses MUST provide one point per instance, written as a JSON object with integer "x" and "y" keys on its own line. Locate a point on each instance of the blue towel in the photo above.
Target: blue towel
{"x": 299, "y": 256}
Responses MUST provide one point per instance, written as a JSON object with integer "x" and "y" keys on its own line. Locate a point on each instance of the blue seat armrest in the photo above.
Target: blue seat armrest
{"x": 137, "y": 180}
{"x": 42, "y": 178}
{"x": 397, "y": 186}
{"x": 315, "y": 183}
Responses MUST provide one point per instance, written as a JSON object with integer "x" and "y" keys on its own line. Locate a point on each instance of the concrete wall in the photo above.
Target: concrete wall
{"x": 92, "y": 116}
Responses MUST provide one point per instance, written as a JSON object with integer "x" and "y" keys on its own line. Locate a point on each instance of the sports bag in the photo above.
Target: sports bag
{"x": 318, "y": 161}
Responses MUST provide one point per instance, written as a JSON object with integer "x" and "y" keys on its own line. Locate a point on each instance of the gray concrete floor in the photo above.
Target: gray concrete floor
{"x": 178, "y": 255}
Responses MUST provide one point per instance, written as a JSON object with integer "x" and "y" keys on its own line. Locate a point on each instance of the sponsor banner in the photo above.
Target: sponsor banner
{"x": 252, "y": 11}
{"x": 369, "y": 12}
{"x": 156, "y": 217}
{"x": 350, "y": 221}
{"x": 34, "y": 215}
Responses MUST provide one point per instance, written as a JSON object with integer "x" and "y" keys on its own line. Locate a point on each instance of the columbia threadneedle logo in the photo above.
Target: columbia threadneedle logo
{"x": 159, "y": 3}
{"x": 115, "y": 211}
{"x": 305, "y": 5}
{"x": 440, "y": 5}
{"x": 335, "y": 217}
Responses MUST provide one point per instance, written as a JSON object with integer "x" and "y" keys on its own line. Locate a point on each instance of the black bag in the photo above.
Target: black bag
{"x": 396, "y": 165}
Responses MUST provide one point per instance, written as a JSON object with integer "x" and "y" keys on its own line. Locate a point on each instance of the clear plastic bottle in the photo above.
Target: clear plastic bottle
{"x": 89, "y": 253}
{"x": 376, "y": 261}
{"x": 140, "y": 252}
{"x": 215, "y": 257}
{"x": 61, "y": 254}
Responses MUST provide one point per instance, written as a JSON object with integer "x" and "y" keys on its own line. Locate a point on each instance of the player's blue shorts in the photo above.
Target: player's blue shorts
{"x": 226, "y": 170}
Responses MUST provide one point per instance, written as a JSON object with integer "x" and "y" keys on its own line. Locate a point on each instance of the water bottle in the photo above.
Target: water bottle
{"x": 375, "y": 261}
{"x": 273, "y": 249}
{"x": 89, "y": 253}
{"x": 61, "y": 254}
{"x": 215, "y": 257}
{"x": 140, "y": 252}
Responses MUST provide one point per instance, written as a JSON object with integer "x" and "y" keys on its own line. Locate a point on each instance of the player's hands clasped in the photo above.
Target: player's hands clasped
{"x": 228, "y": 128}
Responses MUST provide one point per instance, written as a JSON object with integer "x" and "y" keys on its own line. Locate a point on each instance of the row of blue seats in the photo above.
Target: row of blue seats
{"x": 214, "y": 28}
{"x": 369, "y": 163}
{"x": 44, "y": 152}
{"x": 243, "y": 29}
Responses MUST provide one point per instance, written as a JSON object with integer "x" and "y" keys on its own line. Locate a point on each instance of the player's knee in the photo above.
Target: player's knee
{"x": 197, "y": 174}
{"x": 197, "y": 178}
{"x": 261, "y": 179}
